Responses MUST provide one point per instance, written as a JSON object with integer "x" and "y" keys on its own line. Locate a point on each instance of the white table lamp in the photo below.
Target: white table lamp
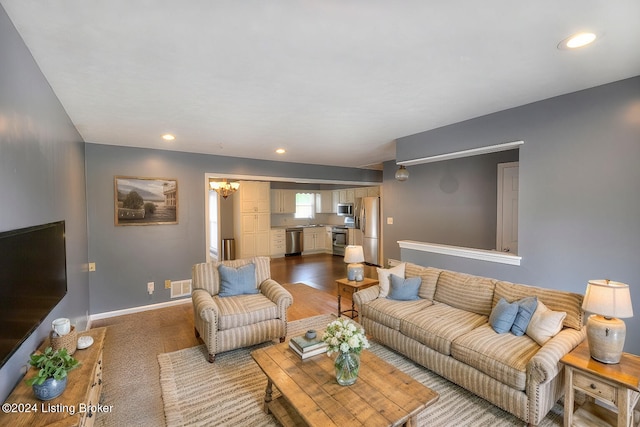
{"x": 354, "y": 256}
{"x": 608, "y": 301}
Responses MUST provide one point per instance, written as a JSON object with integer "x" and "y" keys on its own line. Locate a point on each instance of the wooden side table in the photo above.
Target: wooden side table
{"x": 616, "y": 385}
{"x": 347, "y": 288}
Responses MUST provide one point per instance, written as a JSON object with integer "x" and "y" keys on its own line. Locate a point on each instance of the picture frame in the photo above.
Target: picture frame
{"x": 145, "y": 201}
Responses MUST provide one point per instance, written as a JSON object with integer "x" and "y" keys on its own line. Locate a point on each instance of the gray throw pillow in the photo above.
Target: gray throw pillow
{"x": 526, "y": 307}
{"x": 503, "y": 315}
{"x": 404, "y": 289}
{"x": 237, "y": 281}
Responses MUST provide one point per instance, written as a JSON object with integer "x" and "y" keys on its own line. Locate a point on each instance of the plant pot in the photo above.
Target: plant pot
{"x": 50, "y": 388}
{"x": 347, "y": 366}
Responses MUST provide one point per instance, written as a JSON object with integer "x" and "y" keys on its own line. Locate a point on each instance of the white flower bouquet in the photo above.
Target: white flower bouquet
{"x": 342, "y": 335}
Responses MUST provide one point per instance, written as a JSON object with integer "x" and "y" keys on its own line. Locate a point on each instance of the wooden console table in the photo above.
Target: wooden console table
{"x": 78, "y": 403}
{"x": 617, "y": 385}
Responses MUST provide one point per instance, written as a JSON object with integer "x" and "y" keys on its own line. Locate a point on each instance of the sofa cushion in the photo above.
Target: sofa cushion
{"x": 438, "y": 325}
{"x": 404, "y": 289}
{"x": 429, "y": 277}
{"x": 545, "y": 324}
{"x": 555, "y": 300}
{"x": 501, "y": 356}
{"x": 503, "y": 316}
{"x": 466, "y": 292}
{"x": 526, "y": 307}
{"x": 389, "y": 312}
{"x": 383, "y": 278}
{"x": 237, "y": 281}
{"x": 242, "y": 310}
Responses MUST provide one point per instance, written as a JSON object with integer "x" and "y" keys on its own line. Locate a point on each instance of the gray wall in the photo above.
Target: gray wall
{"x": 579, "y": 197}
{"x": 42, "y": 176}
{"x": 452, "y": 202}
{"x": 127, "y": 257}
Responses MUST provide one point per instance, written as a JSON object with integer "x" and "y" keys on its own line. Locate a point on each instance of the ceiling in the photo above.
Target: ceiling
{"x": 333, "y": 82}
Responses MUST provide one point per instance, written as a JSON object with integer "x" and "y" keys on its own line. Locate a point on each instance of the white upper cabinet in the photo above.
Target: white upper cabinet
{"x": 255, "y": 196}
{"x": 283, "y": 201}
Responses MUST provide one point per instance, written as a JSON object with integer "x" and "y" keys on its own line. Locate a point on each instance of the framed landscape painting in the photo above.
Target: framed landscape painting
{"x": 145, "y": 201}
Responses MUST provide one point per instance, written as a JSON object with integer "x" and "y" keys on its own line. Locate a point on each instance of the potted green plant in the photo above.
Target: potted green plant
{"x": 51, "y": 379}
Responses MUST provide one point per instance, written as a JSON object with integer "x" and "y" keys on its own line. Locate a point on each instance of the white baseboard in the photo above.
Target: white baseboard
{"x": 132, "y": 310}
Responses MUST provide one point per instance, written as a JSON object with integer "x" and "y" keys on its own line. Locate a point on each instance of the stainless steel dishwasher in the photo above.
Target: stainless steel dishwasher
{"x": 293, "y": 238}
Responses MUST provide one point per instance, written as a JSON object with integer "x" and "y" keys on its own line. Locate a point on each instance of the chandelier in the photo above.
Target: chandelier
{"x": 224, "y": 187}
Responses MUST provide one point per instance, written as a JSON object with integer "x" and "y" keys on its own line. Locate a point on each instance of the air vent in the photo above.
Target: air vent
{"x": 180, "y": 288}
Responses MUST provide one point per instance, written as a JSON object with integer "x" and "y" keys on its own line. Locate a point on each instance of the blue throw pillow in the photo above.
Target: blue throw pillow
{"x": 237, "y": 281}
{"x": 404, "y": 289}
{"x": 526, "y": 307}
{"x": 503, "y": 315}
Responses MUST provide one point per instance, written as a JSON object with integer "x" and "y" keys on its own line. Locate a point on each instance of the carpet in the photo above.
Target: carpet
{"x": 230, "y": 391}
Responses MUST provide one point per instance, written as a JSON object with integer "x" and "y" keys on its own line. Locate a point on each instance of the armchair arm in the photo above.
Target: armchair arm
{"x": 278, "y": 294}
{"x": 205, "y": 307}
{"x": 545, "y": 365}
{"x": 366, "y": 295}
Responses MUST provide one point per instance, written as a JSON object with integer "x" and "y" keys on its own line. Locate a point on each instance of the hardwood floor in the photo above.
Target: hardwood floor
{"x": 134, "y": 341}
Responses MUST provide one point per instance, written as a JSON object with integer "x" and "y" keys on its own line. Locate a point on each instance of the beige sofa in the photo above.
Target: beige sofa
{"x": 447, "y": 330}
{"x": 230, "y": 322}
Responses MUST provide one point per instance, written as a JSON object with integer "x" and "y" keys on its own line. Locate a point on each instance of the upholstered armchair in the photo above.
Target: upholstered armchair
{"x": 234, "y": 308}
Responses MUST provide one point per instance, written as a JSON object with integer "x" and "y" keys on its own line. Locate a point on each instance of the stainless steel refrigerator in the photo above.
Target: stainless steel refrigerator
{"x": 368, "y": 221}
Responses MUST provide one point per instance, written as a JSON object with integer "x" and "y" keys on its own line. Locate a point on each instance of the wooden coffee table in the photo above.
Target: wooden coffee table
{"x": 310, "y": 395}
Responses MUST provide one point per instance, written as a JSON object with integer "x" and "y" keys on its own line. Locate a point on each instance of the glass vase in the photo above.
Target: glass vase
{"x": 347, "y": 366}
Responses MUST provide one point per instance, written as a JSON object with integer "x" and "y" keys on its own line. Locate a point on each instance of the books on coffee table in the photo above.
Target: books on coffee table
{"x": 307, "y": 347}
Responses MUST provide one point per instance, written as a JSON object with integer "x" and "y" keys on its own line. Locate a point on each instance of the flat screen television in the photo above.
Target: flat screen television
{"x": 33, "y": 280}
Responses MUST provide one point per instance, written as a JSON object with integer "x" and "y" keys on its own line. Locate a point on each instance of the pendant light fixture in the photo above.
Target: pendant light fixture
{"x": 402, "y": 174}
{"x": 224, "y": 187}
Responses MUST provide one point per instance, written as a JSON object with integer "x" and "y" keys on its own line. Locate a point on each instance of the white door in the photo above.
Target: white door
{"x": 507, "y": 227}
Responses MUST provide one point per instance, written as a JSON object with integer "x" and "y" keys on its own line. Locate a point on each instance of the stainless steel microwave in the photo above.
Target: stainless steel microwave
{"x": 345, "y": 209}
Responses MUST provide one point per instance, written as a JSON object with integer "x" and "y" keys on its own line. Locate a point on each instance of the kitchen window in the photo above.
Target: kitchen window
{"x": 305, "y": 205}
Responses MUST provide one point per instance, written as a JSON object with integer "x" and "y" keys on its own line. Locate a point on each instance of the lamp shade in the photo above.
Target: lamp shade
{"x": 353, "y": 254}
{"x": 608, "y": 298}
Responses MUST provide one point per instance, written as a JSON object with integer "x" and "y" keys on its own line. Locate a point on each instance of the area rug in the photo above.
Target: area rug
{"x": 230, "y": 391}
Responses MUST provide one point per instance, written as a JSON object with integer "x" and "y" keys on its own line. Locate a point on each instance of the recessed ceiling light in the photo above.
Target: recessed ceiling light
{"x": 168, "y": 137}
{"x": 281, "y": 151}
{"x": 577, "y": 40}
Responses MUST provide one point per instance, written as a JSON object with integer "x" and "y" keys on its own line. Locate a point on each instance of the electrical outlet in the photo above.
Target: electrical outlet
{"x": 167, "y": 284}
{"x": 389, "y": 220}
{"x": 92, "y": 266}
{"x": 150, "y": 286}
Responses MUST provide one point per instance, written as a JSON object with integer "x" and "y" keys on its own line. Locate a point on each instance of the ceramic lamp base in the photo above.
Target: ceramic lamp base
{"x": 355, "y": 272}
{"x": 606, "y": 338}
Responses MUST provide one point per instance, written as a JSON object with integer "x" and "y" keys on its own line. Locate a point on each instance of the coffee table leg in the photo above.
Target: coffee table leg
{"x": 412, "y": 422}
{"x": 267, "y": 395}
{"x": 339, "y": 306}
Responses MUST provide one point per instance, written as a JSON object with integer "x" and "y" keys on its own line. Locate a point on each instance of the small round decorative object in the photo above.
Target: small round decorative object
{"x": 311, "y": 334}
{"x": 84, "y": 342}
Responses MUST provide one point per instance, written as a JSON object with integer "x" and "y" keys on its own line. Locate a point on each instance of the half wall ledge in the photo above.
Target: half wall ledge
{"x": 459, "y": 251}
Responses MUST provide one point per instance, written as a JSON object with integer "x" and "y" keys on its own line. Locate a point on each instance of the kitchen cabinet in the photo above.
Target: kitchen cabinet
{"x": 283, "y": 201}
{"x": 252, "y": 219}
{"x": 348, "y": 195}
{"x": 254, "y": 235}
{"x": 254, "y": 196}
{"x": 278, "y": 242}
{"x": 324, "y": 202}
{"x": 328, "y": 240}
{"x": 335, "y": 195}
{"x": 373, "y": 191}
{"x": 313, "y": 239}
{"x": 360, "y": 192}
